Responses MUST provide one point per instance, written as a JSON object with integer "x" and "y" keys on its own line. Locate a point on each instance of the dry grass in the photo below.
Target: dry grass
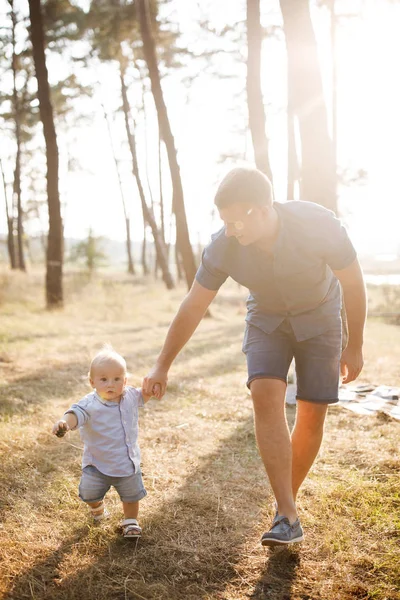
{"x": 208, "y": 499}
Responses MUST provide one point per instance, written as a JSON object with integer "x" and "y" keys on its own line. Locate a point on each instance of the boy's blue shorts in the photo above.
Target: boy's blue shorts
{"x": 94, "y": 485}
{"x": 317, "y": 360}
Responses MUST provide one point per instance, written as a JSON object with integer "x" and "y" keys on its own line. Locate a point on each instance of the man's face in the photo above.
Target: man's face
{"x": 244, "y": 221}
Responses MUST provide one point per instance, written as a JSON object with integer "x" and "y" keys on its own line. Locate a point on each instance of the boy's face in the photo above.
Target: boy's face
{"x": 109, "y": 380}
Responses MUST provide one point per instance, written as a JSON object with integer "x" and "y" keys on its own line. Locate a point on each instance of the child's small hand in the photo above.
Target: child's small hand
{"x": 156, "y": 392}
{"x": 60, "y": 428}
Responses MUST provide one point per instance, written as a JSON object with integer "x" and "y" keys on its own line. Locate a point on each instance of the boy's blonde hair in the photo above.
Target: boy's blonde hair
{"x": 106, "y": 355}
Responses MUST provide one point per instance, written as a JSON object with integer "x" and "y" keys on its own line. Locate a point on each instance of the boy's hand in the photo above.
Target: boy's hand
{"x": 156, "y": 380}
{"x": 156, "y": 393}
{"x": 60, "y": 428}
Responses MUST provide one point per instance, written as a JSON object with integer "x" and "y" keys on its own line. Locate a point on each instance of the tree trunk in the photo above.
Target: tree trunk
{"x": 178, "y": 263}
{"x": 17, "y": 122}
{"x": 131, "y": 267}
{"x": 11, "y": 242}
{"x": 182, "y": 233}
{"x": 54, "y": 283}
{"x": 293, "y": 163}
{"x": 305, "y": 92}
{"x": 345, "y": 328}
{"x": 145, "y": 268}
{"x": 146, "y": 168}
{"x": 255, "y": 101}
{"x": 10, "y": 224}
{"x": 162, "y": 210}
{"x": 148, "y": 215}
{"x": 146, "y": 148}
{"x": 161, "y": 199}
{"x": 17, "y": 195}
{"x": 334, "y": 88}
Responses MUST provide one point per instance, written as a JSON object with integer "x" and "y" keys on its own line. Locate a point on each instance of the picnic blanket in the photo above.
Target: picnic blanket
{"x": 369, "y": 400}
{"x": 363, "y": 399}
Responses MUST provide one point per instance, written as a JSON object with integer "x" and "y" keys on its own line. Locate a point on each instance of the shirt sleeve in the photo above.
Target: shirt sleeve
{"x": 210, "y": 274}
{"x": 333, "y": 242}
{"x": 135, "y": 395}
{"x": 81, "y": 411}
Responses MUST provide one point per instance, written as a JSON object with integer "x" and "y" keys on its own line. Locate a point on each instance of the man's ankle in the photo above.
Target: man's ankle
{"x": 291, "y": 516}
{"x": 287, "y": 511}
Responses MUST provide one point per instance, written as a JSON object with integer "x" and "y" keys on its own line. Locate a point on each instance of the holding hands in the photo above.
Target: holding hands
{"x": 155, "y": 392}
{"x": 155, "y": 383}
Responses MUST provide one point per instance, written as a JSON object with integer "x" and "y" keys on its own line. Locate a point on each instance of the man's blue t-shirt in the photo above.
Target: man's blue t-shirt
{"x": 295, "y": 281}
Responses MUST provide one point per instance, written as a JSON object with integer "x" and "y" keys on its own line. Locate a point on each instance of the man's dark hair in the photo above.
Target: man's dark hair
{"x": 244, "y": 184}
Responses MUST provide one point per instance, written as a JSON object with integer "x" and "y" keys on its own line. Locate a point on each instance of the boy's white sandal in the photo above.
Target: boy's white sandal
{"x": 99, "y": 513}
{"x": 131, "y": 529}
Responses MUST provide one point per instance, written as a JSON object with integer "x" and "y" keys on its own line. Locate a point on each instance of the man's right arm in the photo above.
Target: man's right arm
{"x": 181, "y": 330}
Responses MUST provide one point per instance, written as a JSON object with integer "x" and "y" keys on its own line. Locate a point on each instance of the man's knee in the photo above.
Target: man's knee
{"x": 311, "y": 416}
{"x": 267, "y": 393}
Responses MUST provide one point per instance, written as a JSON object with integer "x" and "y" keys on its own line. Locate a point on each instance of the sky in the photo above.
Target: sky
{"x": 205, "y": 117}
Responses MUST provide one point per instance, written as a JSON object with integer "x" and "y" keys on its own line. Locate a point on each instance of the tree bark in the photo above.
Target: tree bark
{"x": 131, "y": 266}
{"x": 145, "y": 268}
{"x": 305, "y": 92}
{"x": 182, "y": 233}
{"x": 146, "y": 149}
{"x": 334, "y": 88}
{"x": 17, "y": 195}
{"x": 54, "y": 282}
{"x": 178, "y": 263}
{"x": 10, "y": 225}
{"x": 161, "y": 201}
{"x": 148, "y": 215}
{"x": 17, "y": 122}
{"x": 255, "y": 101}
{"x": 293, "y": 164}
{"x": 162, "y": 209}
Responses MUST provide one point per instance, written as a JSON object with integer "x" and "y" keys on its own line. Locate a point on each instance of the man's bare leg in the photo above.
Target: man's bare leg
{"x": 306, "y": 439}
{"x": 280, "y": 454}
{"x": 273, "y": 439}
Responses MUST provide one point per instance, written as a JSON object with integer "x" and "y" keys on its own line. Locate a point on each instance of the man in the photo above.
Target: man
{"x": 291, "y": 257}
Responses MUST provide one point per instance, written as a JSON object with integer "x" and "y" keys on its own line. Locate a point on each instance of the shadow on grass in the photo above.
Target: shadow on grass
{"x": 10, "y": 338}
{"x": 29, "y": 476}
{"x": 204, "y": 340}
{"x": 35, "y": 582}
{"x": 41, "y": 385}
{"x": 279, "y": 574}
{"x": 216, "y": 368}
{"x": 191, "y": 547}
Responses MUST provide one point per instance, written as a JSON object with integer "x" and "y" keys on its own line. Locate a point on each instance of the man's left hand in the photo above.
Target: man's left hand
{"x": 351, "y": 363}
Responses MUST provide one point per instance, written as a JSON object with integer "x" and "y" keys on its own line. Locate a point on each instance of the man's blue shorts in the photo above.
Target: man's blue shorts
{"x": 317, "y": 360}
